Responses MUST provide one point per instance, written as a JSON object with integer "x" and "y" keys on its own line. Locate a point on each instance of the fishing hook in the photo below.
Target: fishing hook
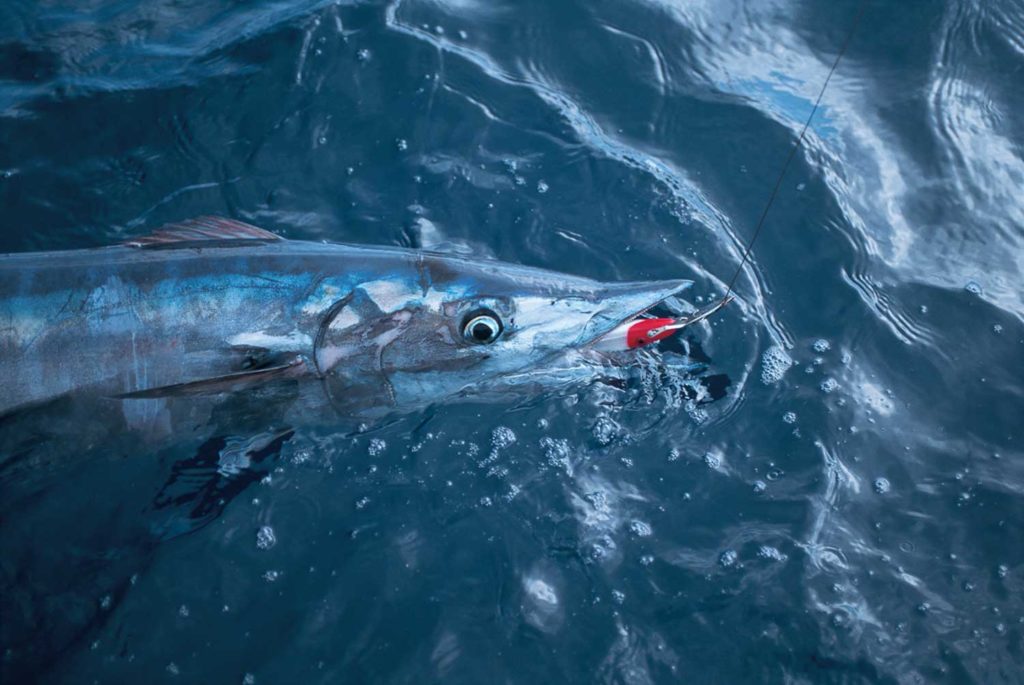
{"x": 689, "y": 319}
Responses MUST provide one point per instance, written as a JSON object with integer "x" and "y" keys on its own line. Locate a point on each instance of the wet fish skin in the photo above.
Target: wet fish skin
{"x": 375, "y": 327}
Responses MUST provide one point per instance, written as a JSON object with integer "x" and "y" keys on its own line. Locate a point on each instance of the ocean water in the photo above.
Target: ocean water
{"x": 834, "y": 495}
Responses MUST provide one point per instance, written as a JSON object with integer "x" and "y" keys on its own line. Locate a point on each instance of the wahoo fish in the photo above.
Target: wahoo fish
{"x": 212, "y": 305}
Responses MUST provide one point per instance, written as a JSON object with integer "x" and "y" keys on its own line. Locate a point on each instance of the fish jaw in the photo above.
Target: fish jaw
{"x": 623, "y": 302}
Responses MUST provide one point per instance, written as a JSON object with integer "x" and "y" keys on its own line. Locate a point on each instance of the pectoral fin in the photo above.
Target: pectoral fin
{"x": 232, "y": 382}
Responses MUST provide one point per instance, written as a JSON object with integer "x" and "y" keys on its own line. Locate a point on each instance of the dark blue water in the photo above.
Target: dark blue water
{"x": 837, "y": 497}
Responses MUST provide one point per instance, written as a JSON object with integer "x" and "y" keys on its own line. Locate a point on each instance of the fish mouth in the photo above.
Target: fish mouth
{"x": 621, "y": 302}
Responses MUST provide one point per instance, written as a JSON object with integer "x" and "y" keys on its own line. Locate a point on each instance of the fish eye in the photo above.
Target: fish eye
{"x": 481, "y": 327}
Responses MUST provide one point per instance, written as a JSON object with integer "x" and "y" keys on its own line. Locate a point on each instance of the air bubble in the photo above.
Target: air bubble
{"x": 271, "y": 576}
{"x": 712, "y": 461}
{"x": 265, "y": 538}
{"x": 789, "y": 417}
{"x": 1002, "y": 570}
{"x": 183, "y": 611}
{"x": 770, "y": 553}
{"x": 821, "y": 345}
{"x": 774, "y": 364}
{"x": 640, "y": 529}
{"x": 105, "y": 602}
{"x": 728, "y": 558}
{"x": 618, "y": 597}
{"x": 542, "y": 187}
{"x": 402, "y": 144}
{"x": 173, "y": 669}
{"x": 605, "y": 430}
{"x": 363, "y": 55}
{"x": 760, "y": 487}
{"x": 502, "y": 437}
{"x": 882, "y": 486}
{"x": 973, "y": 287}
{"x": 377, "y": 447}
{"x": 557, "y": 452}
{"x": 829, "y": 385}
{"x": 248, "y": 679}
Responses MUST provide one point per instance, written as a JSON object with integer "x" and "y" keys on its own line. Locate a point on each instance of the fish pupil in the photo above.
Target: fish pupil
{"x": 482, "y": 332}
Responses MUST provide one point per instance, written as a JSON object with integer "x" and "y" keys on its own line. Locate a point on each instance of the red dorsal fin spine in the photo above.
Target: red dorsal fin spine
{"x": 201, "y": 229}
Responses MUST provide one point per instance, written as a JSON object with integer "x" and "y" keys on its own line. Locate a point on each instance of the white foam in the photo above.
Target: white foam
{"x": 540, "y": 591}
{"x": 774, "y": 365}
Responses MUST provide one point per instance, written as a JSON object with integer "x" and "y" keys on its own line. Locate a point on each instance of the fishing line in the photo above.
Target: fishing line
{"x": 705, "y": 312}
{"x": 792, "y": 153}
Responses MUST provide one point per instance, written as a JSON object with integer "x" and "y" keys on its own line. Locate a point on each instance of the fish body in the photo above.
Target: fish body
{"x": 213, "y": 306}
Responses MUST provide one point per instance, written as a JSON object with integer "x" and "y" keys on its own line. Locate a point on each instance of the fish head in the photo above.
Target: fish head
{"x": 456, "y": 326}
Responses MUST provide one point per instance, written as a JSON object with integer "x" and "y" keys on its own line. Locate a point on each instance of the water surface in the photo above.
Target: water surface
{"x": 835, "y": 495}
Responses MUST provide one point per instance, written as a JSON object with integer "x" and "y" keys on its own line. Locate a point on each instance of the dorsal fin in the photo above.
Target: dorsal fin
{"x": 199, "y": 230}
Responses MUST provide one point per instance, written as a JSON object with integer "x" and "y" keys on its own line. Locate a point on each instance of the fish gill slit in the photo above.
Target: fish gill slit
{"x": 325, "y": 323}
